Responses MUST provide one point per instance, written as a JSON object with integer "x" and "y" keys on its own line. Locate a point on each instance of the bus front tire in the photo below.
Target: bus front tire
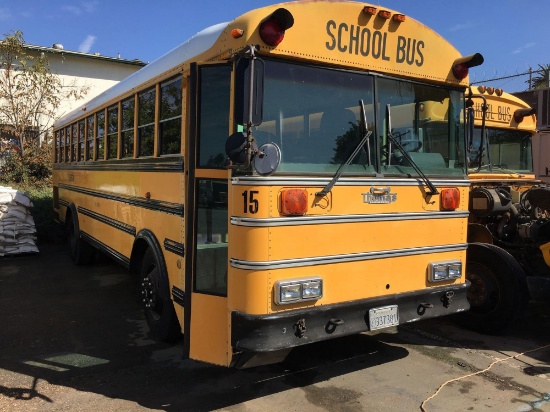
{"x": 82, "y": 253}
{"x": 158, "y": 307}
{"x": 498, "y": 290}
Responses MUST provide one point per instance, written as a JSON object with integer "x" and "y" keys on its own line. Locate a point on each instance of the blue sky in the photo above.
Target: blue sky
{"x": 511, "y": 35}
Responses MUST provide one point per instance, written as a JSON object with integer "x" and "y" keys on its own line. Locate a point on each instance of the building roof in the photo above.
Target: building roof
{"x": 96, "y": 56}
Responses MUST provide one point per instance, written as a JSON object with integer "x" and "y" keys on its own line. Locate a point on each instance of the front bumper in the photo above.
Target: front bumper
{"x": 273, "y": 332}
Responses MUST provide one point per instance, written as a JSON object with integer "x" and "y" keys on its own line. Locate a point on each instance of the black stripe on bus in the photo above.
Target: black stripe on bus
{"x": 174, "y": 247}
{"x": 161, "y": 164}
{"x": 178, "y": 296}
{"x": 123, "y": 260}
{"x": 108, "y": 221}
{"x": 143, "y": 202}
{"x": 63, "y": 202}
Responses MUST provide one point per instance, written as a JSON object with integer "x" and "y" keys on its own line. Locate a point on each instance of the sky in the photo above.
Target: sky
{"x": 511, "y": 35}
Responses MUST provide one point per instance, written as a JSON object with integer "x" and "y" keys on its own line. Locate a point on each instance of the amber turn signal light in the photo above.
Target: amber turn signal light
{"x": 293, "y": 202}
{"x": 236, "y": 33}
{"x": 398, "y": 17}
{"x": 369, "y": 10}
{"x": 450, "y": 199}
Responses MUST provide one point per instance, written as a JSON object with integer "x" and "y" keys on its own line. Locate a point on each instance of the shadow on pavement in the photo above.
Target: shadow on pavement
{"x": 80, "y": 327}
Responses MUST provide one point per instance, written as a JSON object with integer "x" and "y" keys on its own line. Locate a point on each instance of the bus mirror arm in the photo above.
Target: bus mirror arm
{"x": 249, "y": 87}
{"x": 471, "y": 119}
{"x": 249, "y": 75}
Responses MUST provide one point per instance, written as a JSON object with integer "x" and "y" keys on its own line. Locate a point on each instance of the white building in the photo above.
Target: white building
{"x": 94, "y": 71}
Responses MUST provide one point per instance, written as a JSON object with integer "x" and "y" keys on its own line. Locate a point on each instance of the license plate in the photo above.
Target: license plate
{"x": 380, "y": 318}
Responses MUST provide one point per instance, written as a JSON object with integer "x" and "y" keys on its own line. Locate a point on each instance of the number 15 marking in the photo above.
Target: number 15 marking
{"x": 250, "y": 203}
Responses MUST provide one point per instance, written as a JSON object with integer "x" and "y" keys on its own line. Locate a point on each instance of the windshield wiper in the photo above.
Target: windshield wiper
{"x": 365, "y": 140}
{"x": 393, "y": 140}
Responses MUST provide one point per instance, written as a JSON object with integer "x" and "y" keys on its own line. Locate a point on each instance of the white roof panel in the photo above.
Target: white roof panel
{"x": 196, "y": 45}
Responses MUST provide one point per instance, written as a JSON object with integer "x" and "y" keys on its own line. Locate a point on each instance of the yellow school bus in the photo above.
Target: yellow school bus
{"x": 253, "y": 181}
{"x": 509, "y": 226}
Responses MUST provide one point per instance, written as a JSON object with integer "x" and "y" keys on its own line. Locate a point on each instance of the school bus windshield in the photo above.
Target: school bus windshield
{"x": 505, "y": 151}
{"x": 313, "y": 115}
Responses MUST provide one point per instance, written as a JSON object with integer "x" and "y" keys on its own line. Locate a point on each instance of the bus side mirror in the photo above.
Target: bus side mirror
{"x": 235, "y": 148}
{"x": 249, "y": 91}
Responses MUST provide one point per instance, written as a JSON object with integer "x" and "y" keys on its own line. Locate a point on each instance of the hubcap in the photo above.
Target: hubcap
{"x": 148, "y": 293}
{"x": 477, "y": 293}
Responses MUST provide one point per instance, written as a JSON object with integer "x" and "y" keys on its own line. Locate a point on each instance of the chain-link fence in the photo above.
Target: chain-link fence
{"x": 512, "y": 83}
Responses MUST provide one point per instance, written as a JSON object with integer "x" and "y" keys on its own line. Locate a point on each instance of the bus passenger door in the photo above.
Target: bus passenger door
{"x": 206, "y": 321}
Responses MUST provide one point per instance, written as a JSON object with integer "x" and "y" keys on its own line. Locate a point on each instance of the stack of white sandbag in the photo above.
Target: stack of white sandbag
{"x": 17, "y": 229}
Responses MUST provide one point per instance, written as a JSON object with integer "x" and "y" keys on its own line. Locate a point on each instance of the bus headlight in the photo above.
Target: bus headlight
{"x": 439, "y": 271}
{"x": 292, "y": 291}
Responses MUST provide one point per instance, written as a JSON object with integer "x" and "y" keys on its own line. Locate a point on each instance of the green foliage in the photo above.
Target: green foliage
{"x": 31, "y": 168}
{"x": 541, "y": 81}
{"x": 30, "y": 94}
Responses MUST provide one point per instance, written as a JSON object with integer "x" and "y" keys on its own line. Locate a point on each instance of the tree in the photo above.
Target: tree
{"x": 30, "y": 94}
{"x": 541, "y": 81}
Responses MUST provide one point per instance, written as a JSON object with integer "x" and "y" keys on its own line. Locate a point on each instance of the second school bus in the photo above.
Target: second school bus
{"x": 508, "y": 258}
{"x": 325, "y": 221}
{"x": 509, "y": 228}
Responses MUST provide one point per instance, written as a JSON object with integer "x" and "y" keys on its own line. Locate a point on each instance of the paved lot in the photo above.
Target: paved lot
{"x": 74, "y": 339}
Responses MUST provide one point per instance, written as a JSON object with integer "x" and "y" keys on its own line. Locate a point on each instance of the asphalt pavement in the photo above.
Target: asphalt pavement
{"x": 74, "y": 339}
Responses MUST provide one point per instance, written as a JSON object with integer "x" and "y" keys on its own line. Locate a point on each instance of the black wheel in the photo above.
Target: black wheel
{"x": 155, "y": 296}
{"x": 498, "y": 290}
{"x": 82, "y": 253}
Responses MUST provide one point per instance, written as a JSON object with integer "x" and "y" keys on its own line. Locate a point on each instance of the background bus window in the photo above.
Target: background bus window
{"x": 100, "y": 135}
{"x": 211, "y": 244}
{"x": 214, "y": 115}
{"x": 510, "y": 150}
{"x": 127, "y": 132}
{"x": 146, "y": 122}
{"x": 112, "y": 132}
{"x": 170, "y": 117}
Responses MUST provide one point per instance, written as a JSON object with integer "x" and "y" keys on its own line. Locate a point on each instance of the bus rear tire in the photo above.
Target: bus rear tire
{"x": 498, "y": 290}
{"x": 155, "y": 296}
{"x": 82, "y": 253}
